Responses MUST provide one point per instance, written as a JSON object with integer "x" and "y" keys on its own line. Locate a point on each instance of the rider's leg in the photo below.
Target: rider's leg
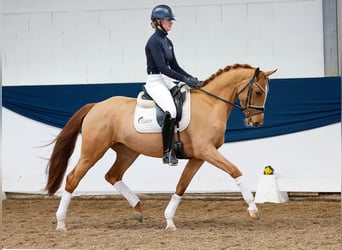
{"x": 168, "y": 140}
{"x": 160, "y": 93}
{"x": 157, "y": 87}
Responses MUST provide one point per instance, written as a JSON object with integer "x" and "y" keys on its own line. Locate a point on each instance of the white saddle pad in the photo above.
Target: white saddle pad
{"x": 145, "y": 120}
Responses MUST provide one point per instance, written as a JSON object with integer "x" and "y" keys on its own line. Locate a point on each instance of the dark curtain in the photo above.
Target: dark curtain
{"x": 292, "y": 105}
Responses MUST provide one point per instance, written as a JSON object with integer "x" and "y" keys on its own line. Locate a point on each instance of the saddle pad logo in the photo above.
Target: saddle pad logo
{"x": 142, "y": 120}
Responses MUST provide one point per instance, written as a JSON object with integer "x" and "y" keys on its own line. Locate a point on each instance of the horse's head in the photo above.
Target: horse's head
{"x": 253, "y": 98}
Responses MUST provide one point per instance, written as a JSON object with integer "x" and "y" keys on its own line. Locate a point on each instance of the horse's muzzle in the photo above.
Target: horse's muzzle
{"x": 254, "y": 119}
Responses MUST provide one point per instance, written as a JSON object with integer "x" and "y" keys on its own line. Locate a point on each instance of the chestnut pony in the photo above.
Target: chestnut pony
{"x": 109, "y": 124}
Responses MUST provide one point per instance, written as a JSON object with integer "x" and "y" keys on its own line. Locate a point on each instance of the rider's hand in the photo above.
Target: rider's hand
{"x": 192, "y": 82}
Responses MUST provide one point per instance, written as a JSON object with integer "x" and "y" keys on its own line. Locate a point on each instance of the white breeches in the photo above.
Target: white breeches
{"x": 158, "y": 87}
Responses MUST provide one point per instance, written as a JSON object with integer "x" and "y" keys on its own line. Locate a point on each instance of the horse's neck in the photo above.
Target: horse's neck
{"x": 223, "y": 86}
{"x": 227, "y": 84}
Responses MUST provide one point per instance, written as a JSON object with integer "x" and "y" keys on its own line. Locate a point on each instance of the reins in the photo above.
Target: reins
{"x": 220, "y": 98}
{"x": 237, "y": 105}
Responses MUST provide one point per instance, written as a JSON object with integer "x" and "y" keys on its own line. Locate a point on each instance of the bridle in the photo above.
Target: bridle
{"x": 248, "y": 105}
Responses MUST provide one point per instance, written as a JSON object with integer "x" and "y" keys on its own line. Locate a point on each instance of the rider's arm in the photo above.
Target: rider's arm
{"x": 163, "y": 67}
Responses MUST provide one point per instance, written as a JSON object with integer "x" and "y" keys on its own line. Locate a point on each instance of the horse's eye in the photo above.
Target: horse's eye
{"x": 258, "y": 93}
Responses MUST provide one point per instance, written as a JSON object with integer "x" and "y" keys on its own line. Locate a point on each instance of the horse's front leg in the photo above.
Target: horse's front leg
{"x": 248, "y": 197}
{"x": 213, "y": 156}
{"x": 189, "y": 171}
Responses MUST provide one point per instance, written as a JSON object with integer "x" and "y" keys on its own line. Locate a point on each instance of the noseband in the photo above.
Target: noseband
{"x": 248, "y": 105}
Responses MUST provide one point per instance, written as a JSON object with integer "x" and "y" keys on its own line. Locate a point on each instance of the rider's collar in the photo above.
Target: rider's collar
{"x": 161, "y": 32}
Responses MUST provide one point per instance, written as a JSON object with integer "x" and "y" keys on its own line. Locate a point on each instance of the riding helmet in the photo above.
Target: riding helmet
{"x": 162, "y": 12}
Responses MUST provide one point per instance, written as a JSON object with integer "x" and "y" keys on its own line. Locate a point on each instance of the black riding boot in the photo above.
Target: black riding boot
{"x": 168, "y": 140}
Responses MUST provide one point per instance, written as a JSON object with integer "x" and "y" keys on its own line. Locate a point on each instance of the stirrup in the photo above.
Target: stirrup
{"x": 170, "y": 158}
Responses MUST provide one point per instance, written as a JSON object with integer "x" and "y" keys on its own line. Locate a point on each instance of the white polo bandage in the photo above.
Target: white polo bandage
{"x": 132, "y": 199}
{"x": 172, "y": 206}
{"x": 63, "y": 206}
{"x": 246, "y": 193}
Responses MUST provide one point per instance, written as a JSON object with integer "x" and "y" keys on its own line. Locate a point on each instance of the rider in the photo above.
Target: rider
{"x": 162, "y": 69}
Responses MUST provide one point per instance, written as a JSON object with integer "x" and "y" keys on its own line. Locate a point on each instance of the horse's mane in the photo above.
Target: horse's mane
{"x": 227, "y": 68}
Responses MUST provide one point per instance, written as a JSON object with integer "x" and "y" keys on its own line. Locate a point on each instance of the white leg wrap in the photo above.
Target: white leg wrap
{"x": 246, "y": 193}
{"x": 170, "y": 212}
{"x": 132, "y": 199}
{"x": 172, "y": 207}
{"x": 63, "y": 206}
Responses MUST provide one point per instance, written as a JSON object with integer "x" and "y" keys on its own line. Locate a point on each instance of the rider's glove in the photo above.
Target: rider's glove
{"x": 192, "y": 82}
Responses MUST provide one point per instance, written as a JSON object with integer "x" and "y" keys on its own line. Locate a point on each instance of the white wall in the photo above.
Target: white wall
{"x": 78, "y": 41}
{"x": 89, "y": 41}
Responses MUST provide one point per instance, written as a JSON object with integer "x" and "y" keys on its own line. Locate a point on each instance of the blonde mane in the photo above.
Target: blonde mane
{"x": 227, "y": 68}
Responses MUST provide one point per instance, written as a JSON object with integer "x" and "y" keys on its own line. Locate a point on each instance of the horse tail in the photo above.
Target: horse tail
{"x": 63, "y": 149}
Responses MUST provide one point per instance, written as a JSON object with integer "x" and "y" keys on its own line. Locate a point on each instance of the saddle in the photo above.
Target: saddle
{"x": 178, "y": 94}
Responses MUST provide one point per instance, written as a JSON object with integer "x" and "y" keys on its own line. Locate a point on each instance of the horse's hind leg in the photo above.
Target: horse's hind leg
{"x": 73, "y": 178}
{"x": 87, "y": 159}
{"x": 124, "y": 159}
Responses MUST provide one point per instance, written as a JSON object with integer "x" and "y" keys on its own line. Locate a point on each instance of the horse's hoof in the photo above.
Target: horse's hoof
{"x": 253, "y": 214}
{"x": 138, "y": 216}
{"x": 170, "y": 228}
{"x": 170, "y": 225}
{"x": 61, "y": 229}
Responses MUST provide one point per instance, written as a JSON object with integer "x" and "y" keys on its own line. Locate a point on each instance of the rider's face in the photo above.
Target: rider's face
{"x": 167, "y": 24}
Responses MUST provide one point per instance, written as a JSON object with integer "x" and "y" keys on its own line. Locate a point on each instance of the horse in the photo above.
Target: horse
{"x": 108, "y": 124}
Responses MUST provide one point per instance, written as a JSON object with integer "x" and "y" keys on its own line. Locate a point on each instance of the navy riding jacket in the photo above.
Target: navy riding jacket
{"x": 161, "y": 58}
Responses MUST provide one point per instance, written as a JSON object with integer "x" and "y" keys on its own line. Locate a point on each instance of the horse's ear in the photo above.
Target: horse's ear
{"x": 257, "y": 71}
{"x": 268, "y": 73}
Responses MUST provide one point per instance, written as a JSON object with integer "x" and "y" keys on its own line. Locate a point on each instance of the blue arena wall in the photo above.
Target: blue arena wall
{"x": 293, "y": 104}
